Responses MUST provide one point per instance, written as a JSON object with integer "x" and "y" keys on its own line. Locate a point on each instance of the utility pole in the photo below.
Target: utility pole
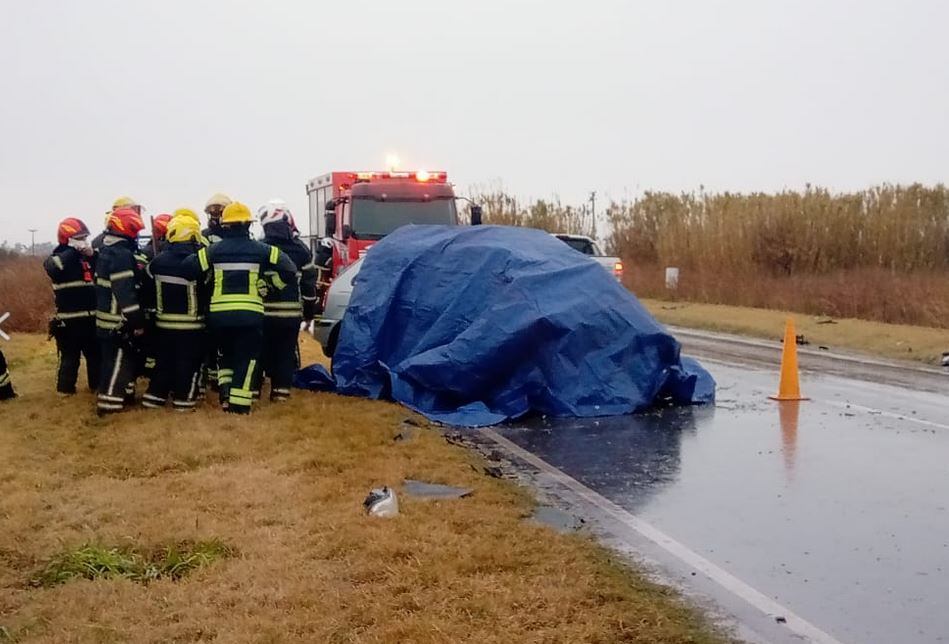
{"x": 32, "y": 241}
{"x": 593, "y": 211}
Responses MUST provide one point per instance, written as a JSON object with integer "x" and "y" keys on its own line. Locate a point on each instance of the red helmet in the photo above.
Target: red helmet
{"x": 69, "y": 228}
{"x": 160, "y": 226}
{"x": 125, "y": 222}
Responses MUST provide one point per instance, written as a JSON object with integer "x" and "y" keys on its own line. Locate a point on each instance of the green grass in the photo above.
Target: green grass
{"x": 95, "y": 561}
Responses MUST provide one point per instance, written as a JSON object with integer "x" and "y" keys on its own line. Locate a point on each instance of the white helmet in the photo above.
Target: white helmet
{"x": 273, "y": 211}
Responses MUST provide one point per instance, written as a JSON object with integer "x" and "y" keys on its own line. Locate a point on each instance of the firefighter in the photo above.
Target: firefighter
{"x": 143, "y": 257}
{"x": 179, "y": 317}
{"x": 71, "y": 267}
{"x": 286, "y": 308}
{"x": 240, "y": 270}
{"x": 213, "y": 209}
{"x": 121, "y": 202}
{"x": 120, "y": 316}
{"x": 323, "y": 260}
{"x": 159, "y": 227}
{"x": 6, "y": 385}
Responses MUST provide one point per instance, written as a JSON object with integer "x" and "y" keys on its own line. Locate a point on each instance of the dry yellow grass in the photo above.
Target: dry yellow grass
{"x": 283, "y": 489}
{"x": 899, "y": 341}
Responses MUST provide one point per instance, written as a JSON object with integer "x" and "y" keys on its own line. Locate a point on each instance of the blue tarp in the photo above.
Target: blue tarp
{"x": 472, "y": 326}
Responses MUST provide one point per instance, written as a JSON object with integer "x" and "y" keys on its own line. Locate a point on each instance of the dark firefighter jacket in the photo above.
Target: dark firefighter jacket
{"x": 73, "y": 277}
{"x": 298, "y": 300}
{"x": 119, "y": 277}
{"x": 179, "y": 288}
{"x": 239, "y": 270}
{"x": 213, "y": 233}
{"x": 150, "y": 253}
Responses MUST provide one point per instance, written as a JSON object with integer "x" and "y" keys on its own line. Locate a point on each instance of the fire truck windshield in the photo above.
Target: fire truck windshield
{"x": 373, "y": 219}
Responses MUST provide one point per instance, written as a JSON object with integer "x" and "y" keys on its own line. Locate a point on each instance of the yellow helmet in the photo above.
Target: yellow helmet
{"x": 183, "y": 229}
{"x": 123, "y": 202}
{"x": 187, "y": 212}
{"x": 218, "y": 199}
{"x": 236, "y": 213}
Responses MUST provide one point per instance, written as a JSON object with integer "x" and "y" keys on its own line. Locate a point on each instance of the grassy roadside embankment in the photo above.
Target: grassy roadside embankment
{"x": 225, "y": 529}
{"x": 897, "y": 341}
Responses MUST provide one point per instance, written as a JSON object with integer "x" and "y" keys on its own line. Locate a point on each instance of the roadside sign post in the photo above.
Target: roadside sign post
{"x": 3, "y": 318}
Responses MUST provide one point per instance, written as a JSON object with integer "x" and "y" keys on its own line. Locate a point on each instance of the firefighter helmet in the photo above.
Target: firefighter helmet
{"x": 160, "y": 226}
{"x": 69, "y": 228}
{"x": 123, "y": 202}
{"x": 274, "y": 211}
{"x": 236, "y": 213}
{"x": 183, "y": 229}
{"x": 125, "y": 222}
{"x": 218, "y": 199}
{"x": 187, "y": 212}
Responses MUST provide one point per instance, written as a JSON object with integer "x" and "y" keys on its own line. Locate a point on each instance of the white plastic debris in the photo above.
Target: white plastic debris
{"x": 382, "y": 502}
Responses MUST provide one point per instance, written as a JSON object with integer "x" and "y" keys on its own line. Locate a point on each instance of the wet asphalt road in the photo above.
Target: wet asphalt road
{"x": 836, "y": 508}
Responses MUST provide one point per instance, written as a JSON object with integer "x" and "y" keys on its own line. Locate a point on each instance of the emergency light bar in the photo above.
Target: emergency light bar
{"x": 422, "y": 176}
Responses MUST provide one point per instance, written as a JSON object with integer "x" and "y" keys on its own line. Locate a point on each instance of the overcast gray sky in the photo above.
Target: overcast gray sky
{"x": 171, "y": 101}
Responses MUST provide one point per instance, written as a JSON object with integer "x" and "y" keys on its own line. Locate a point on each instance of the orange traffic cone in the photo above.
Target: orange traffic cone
{"x": 790, "y": 387}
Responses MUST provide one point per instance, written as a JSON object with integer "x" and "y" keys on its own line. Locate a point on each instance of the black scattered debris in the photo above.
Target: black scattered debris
{"x": 801, "y": 340}
{"x": 823, "y": 348}
{"x": 494, "y": 471}
{"x": 780, "y": 619}
{"x": 827, "y": 321}
{"x": 455, "y": 438}
{"x": 945, "y": 359}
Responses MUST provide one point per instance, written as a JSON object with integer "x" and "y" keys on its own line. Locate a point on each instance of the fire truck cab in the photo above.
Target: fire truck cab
{"x": 357, "y": 209}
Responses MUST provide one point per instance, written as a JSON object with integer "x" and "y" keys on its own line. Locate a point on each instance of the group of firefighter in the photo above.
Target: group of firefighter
{"x": 193, "y": 310}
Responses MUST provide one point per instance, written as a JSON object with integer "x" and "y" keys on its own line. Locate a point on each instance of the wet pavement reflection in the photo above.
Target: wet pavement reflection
{"x": 835, "y": 507}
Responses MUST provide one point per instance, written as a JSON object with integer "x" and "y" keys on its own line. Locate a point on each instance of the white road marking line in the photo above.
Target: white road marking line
{"x": 887, "y": 414}
{"x": 726, "y": 580}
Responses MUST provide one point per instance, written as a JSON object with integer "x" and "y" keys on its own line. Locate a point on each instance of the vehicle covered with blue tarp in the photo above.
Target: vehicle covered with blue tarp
{"x": 472, "y": 326}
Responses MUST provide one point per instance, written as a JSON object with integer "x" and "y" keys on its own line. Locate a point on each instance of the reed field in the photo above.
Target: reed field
{"x": 879, "y": 254}
{"x": 24, "y": 292}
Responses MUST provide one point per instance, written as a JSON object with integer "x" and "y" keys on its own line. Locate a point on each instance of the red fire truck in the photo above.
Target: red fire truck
{"x": 357, "y": 209}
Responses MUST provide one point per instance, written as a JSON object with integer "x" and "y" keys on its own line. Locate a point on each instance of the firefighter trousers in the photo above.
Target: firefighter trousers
{"x": 212, "y": 362}
{"x": 240, "y": 349}
{"x": 281, "y": 356}
{"x": 177, "y": 369}
{"x": 6, "y": 385}
{"x": 76, "y": 339}
{"x": 117, "y": 376}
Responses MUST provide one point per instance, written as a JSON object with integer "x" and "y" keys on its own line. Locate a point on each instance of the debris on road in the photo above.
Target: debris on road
{"x": 434, "y": 491}
{"x": 382, "y": 502}
{"x": 557, "y": 519}
{"x": 945, "y": 359}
